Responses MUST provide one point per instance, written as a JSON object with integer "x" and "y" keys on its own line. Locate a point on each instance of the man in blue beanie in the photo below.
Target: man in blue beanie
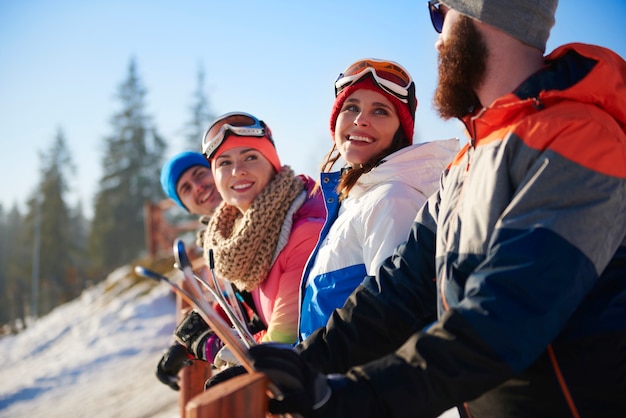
{"x": 187, "y": 179}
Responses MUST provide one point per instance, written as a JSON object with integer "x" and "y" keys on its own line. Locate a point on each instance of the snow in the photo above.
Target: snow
{"x": 95, "y": 356}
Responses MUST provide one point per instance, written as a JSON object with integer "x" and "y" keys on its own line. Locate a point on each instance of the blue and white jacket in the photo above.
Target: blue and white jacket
{"x": 362, "y": 231}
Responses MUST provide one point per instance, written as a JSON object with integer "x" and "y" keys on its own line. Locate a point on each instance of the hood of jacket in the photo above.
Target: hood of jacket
{"x": 578, "y": 72}
{"x": 418, "y": 165}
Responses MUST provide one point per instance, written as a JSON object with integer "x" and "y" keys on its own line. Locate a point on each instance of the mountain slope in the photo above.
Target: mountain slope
{"x": 94, "y": 356}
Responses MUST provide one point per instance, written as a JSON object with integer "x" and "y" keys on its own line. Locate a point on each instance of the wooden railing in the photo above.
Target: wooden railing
{"x": 240, "y": 397}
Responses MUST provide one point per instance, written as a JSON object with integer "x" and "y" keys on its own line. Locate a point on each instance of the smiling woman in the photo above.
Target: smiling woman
{"x": 245, "y": 164}
{"x": 373, "y": 199}
{"x": 268, "y": 224}
{"x": 262, "y": 233}
{"x": 242, "y": 173}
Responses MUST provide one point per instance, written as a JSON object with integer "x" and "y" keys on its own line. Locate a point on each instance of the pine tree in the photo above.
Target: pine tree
{"x": 48, "y": 229}
{"x": 15, "y": 259}
{"x": 201, "y": 116}
{"x": 78, "y": 277}
{"x": 131, "y": 166}
{"x": 4, "y": 261}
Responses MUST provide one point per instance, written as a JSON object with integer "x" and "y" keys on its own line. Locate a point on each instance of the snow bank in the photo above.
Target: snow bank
{"x": 93, "y": 357}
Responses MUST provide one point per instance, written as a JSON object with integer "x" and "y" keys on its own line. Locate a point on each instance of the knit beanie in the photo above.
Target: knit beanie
{"x": 407, "y": 118}
{"x": 174, "y": 168}
{"x": 529, "y": 21}
{"x": 261, "y": 144}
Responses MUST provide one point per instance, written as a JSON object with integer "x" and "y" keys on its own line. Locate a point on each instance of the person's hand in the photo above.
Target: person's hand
{"x": 225, "y": 358}
{"x": 174, "y": 359}
{"x": 193, "y": 332}
{"x": 224, "y": 375}
{"x": 305, "y": 390}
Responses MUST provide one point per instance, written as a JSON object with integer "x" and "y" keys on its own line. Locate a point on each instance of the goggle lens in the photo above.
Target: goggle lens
{"x": 384, "y": 69}
{"x": 240, "y": 124}
{"x": 436, "y": 15}
{"x": 389, "y": 76}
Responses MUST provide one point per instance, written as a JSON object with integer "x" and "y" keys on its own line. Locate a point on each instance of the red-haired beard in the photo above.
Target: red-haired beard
{"x": 462, "y": 63}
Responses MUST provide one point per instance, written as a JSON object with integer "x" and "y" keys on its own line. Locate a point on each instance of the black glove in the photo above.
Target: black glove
{"x": 224, "y": 375}
{"x": 174, "y": 359}
{"x": 193, "y": 332}
{"x": 305, "y": 390}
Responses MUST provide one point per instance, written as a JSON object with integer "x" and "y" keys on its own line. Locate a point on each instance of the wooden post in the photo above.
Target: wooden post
{"x": 242, "y": 396}
{"x": 192, "y": 377}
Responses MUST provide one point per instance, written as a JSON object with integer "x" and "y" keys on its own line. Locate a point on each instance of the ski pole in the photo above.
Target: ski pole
{"x": 183, "y": 263}
{"x": 217, "y": 324}
{"x": 229, "y": 290}
{"x": 234, "y": 344}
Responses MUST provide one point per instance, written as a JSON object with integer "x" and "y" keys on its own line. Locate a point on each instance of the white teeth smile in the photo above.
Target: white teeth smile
{"x": 360, "y": 139}
{"x": 241, "y": 186}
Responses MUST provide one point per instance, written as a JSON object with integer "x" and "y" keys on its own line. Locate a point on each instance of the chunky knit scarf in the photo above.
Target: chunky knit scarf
{"x": 245, "y": 244}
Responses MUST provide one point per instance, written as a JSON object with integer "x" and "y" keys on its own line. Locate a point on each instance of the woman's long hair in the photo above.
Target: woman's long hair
{"x": 350, "y": 176}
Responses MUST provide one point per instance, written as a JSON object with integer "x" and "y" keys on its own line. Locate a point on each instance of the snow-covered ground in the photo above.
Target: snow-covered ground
{"x": 93, "y": 357}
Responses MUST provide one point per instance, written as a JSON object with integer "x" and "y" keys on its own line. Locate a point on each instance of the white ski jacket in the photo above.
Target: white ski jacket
{"x": 365, "y": 228}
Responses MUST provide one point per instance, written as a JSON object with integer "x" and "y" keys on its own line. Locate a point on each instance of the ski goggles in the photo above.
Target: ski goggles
{"x": 236, "y": 123}
{"x": 389, "y": 76}
{"x": 437, "y": 16}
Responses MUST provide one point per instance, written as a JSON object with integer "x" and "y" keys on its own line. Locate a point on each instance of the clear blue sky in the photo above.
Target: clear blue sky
{"x": 61, "y": 63}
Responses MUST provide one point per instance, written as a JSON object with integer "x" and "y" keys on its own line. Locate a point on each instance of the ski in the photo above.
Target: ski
{"x": 197, "y": 301}
{"x": 236, "y": 345}
{"x": 217, "y": 324}
{"x": 236, "y": 307}
{"x": 183, "y": 264}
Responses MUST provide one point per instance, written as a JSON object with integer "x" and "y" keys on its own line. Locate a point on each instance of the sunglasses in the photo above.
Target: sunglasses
{"x": 389, "y": 76}
{"x": 236, "y": 123}
{"x": 436, "y": 15}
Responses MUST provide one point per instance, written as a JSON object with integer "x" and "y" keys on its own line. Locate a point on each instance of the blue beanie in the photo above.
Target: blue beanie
{"x": 175, "y": 167}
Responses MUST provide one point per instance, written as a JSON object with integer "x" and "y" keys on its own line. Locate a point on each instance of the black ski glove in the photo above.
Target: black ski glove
{"x": 193, "y": 332}
{"x": 305, "y": 390}
{"x": 224, "y": 375}
{"x": 174, "y": 359}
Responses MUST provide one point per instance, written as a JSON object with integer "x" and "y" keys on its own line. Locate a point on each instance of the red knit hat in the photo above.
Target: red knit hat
{"x": 407, "y": 118}
{"x": 261, "y": 144}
